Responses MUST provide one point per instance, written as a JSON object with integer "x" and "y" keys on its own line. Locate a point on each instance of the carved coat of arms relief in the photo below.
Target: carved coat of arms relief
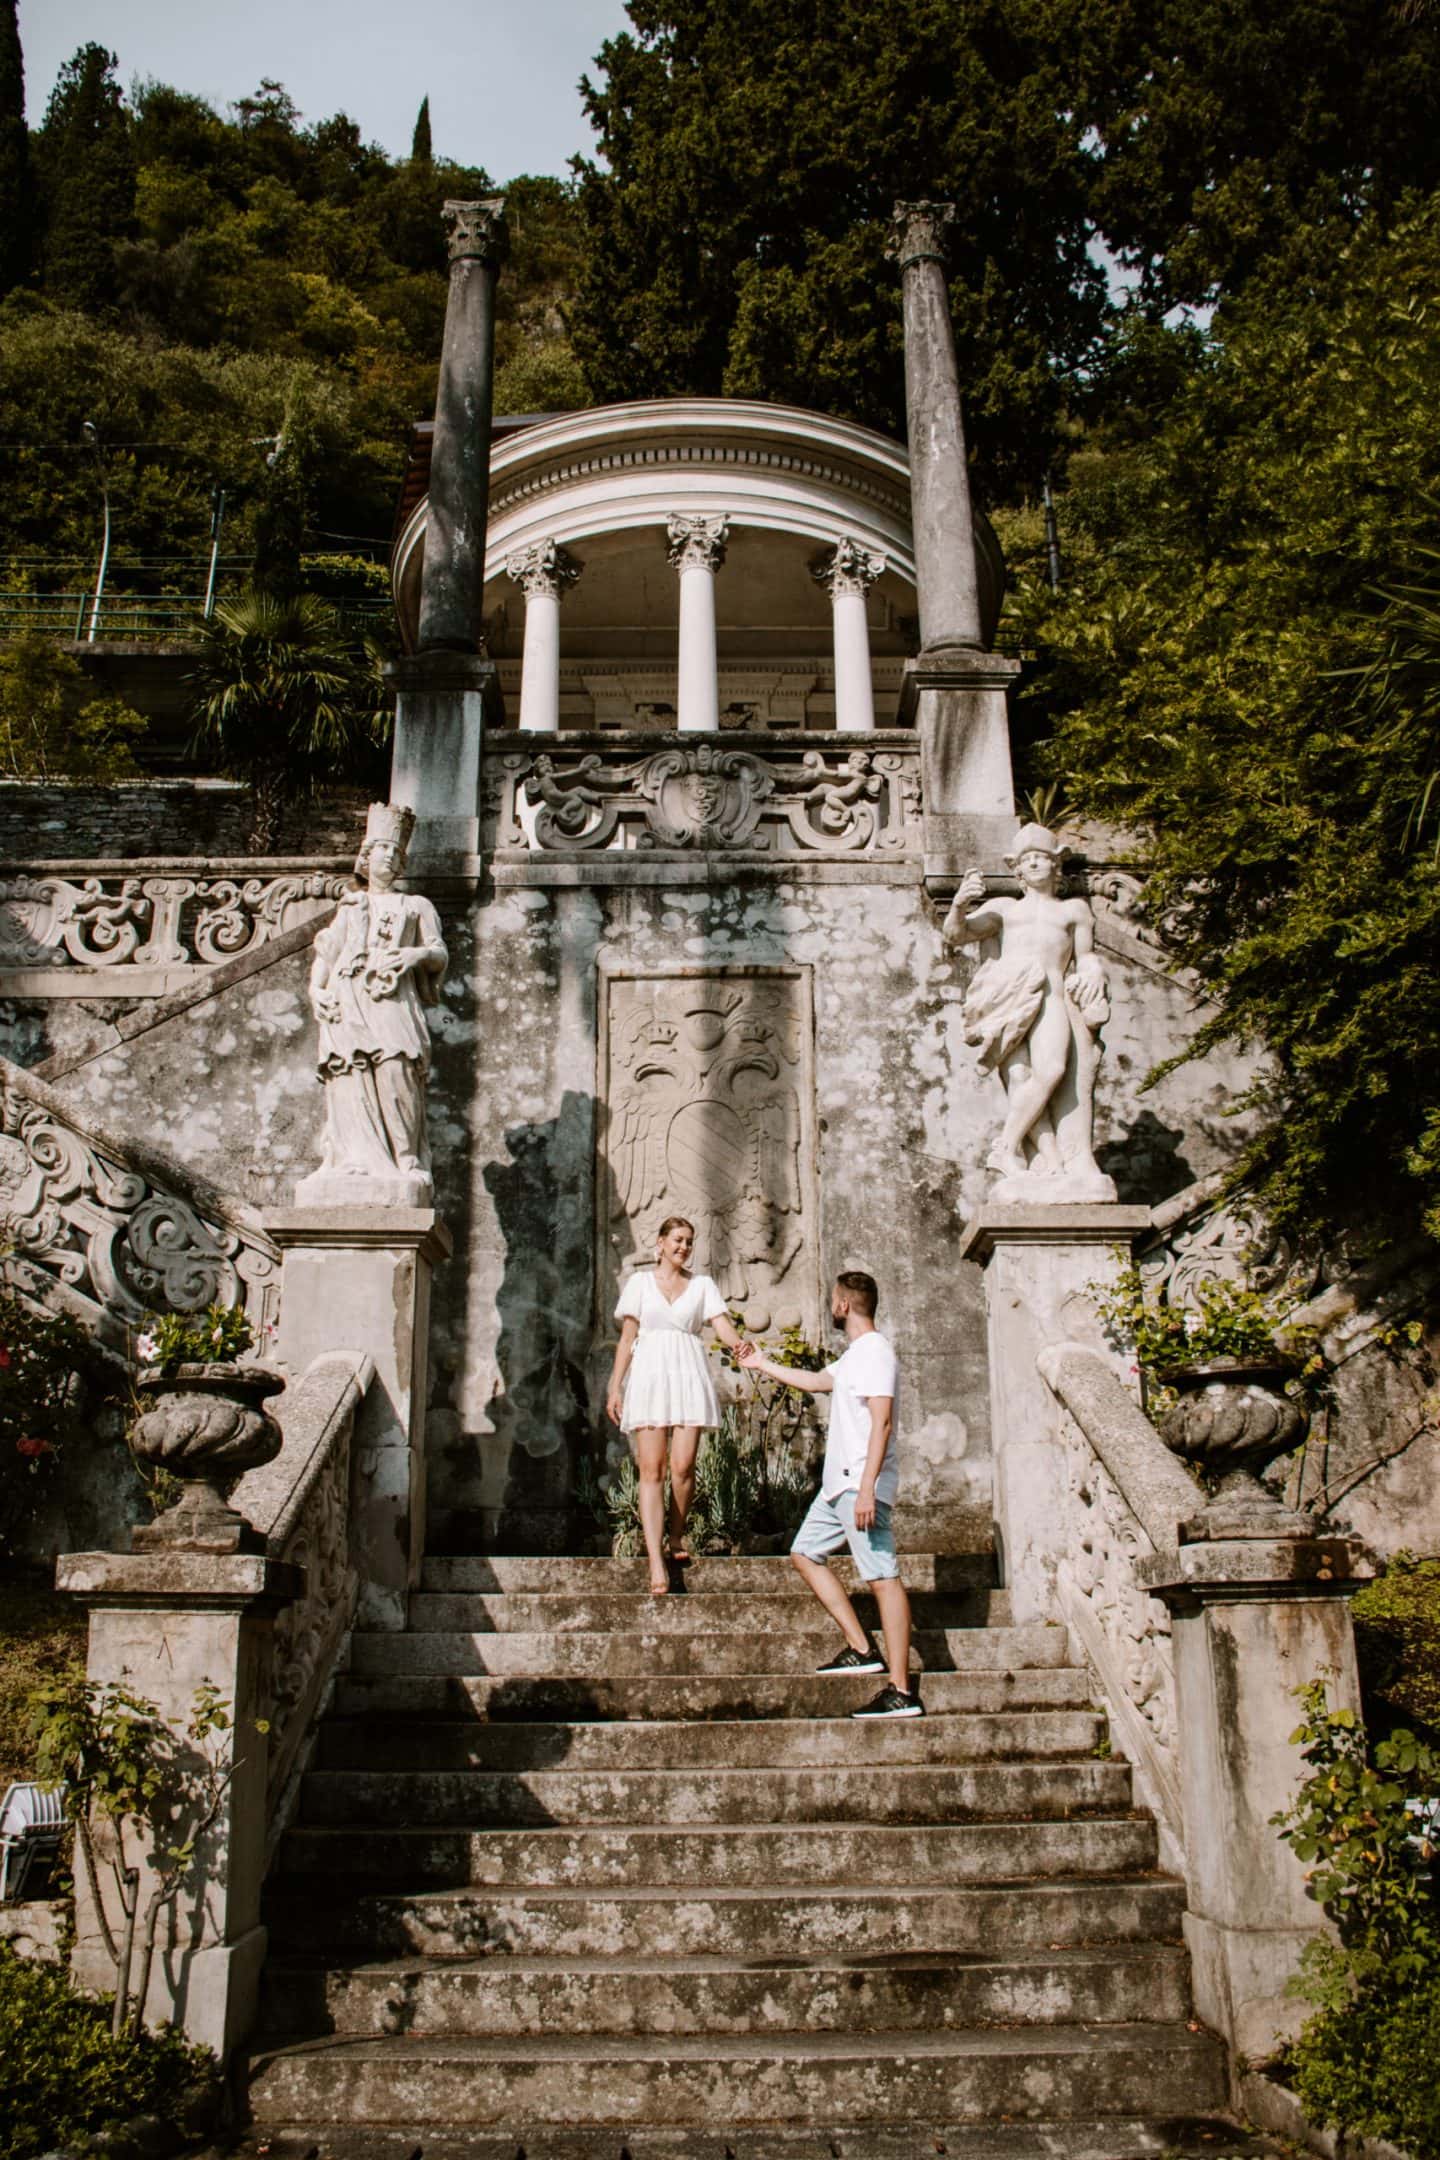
{"x": 708, "y": 1091}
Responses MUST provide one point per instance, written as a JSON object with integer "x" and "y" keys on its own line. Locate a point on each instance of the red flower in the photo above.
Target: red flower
{"x": 4, "y": 1358}
{"x": 32, "y": 1448}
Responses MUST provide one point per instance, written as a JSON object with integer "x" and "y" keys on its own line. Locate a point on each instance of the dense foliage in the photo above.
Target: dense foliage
{"x": 62, "y": 2075}
{"x": 1397, "y": 1643}
{"x": 751, "y": 155}
{"x": 54, "y": 723}
{"x": 1215, "y": 675}
{"x": 41, "y": 1356}
{"x": 1365, "y": 1827}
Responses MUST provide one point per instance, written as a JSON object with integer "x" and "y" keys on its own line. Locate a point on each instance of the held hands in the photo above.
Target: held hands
{"x": 748, "y": 1354}
{"x": 865, "y": 1505}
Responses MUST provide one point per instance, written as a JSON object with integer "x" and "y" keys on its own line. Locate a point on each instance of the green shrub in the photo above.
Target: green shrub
{"x": 1397, "y": 1641}
{"x": 1366, "y": 2060}
{"x": 61, "y": 2073}
{"x": 40, "y": 1391}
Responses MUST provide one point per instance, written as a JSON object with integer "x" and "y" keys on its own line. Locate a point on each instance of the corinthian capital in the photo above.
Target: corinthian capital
{"x": 697, "y": 543}
{"x": 848, "y": 568}
{"x": 545, "y": 571}
{"x": 918, "y": 232}
{"x": 476, "y": 231}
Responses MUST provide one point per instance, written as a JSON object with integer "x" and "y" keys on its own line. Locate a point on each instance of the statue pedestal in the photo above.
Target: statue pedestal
{"x": 358, "y": 1278}
{"x": 441, "y": 703}
{"x": 1039, "y": 1263}
{"x": 958, "y": 703}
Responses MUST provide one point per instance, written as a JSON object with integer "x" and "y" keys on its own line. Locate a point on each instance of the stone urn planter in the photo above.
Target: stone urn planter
{"x": 206, "y": 1425}
{"x": 1232, "y": 1420}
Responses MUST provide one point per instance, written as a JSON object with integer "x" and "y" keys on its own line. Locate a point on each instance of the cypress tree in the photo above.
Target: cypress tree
{"x": 16, "y": 203}
{"x": 420, "y": 141}
{"x": 88, "y": 177}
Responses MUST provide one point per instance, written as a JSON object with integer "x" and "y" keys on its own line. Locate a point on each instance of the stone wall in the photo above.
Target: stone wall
{"x": 135, "y": 819}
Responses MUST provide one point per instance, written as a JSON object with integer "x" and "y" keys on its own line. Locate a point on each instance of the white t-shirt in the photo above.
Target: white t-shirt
{"x": 868, "y": 1367}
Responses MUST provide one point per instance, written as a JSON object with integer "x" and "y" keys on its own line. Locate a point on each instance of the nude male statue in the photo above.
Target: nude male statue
{"x": 1034, "y": 1011}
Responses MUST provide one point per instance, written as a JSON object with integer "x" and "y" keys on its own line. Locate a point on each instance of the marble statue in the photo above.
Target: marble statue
{"x": 377, "y": 967}
{"x": 1034, "y": 1012}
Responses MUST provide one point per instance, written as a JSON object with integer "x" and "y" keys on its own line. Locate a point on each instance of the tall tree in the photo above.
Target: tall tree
{"x": 749, "y": 159}
{"x": 420, "y": 153}
{"x": 16, "y": 207}
{"x": 88, "y": 175}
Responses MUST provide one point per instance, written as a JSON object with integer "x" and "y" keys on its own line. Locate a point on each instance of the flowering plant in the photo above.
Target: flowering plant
{"x": 40, "y": 1359}
{"x": 218, "y": 1336}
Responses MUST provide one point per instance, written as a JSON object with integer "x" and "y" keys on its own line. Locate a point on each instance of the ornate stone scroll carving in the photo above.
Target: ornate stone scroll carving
{"x": 697, "y": 543}
{"x": 117, "y": 922}
{"x": 1215, "y": 1241}
{"x": 848, "y": 569}
{"x": 709, "y": 1113}
{"x": 1033, "y": 1012}
{"x": 83, "y": 1222}
{"x": 702, "y": 796}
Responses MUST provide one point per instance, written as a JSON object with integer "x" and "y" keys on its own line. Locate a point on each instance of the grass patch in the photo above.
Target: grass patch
{"x": 41, "y": 1633}
{"x": 1397, "y": 1642}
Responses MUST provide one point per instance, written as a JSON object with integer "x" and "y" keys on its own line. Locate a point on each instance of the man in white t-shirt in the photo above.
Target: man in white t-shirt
{"x": 857, "y": 1491}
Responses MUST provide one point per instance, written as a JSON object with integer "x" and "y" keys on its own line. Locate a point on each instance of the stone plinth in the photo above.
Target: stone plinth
{"x": 1252, "y": 1622}
{"x": 164, "y": 1624}
{"x": 441, "y": 703}
{"x": 959, "y": 705}
{"x": 1039, "y": 1264}
{"x": 358, "y": 1279}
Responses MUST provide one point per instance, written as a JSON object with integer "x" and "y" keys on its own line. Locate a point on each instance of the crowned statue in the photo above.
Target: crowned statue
{"x": 1033, "y": 1012}
{"x": 377, "y": 967}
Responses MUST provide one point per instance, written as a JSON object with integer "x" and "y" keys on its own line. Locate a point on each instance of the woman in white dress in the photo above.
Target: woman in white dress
{"x": 660, "y": 1385}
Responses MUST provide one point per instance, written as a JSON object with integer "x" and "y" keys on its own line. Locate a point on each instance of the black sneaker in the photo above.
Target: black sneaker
{"x": 850, "y": 1660}
{"x": 892, "y": 1702}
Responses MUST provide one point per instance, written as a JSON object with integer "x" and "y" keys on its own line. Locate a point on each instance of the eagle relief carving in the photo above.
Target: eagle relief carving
{"x": 709, "y": 1116}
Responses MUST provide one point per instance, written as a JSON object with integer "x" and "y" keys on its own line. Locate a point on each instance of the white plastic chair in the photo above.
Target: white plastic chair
{"x": 32, "y": 1823}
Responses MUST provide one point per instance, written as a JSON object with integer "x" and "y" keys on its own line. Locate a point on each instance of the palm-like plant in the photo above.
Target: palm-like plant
{"x": 281, "y": 699}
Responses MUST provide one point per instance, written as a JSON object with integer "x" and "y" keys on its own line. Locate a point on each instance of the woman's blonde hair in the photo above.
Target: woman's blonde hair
{"x": 674, "y": 1222}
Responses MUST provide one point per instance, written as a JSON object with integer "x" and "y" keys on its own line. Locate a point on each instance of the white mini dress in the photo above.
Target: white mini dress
{"x": 669, "y": 1379}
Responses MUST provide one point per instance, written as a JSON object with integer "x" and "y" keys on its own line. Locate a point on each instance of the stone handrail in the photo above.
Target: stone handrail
{"x": 94, "y": 1229}
{"x": 300, "y": 1504}
{"x": 148, "y": 927}
{"x": 1126, "y": 1496}
{"x": 832, "y": 797}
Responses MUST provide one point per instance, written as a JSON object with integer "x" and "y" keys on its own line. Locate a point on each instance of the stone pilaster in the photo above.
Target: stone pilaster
{"x": 847, "y": 573}
{"x": 544, "y": 573}
{"x": 697, "y": 551}
{"x": 163, "y": 1625}
{"x": 1251, "y": 1621}
{"x": 1039, "y": 1263}
{"x": 358, "y": 1278}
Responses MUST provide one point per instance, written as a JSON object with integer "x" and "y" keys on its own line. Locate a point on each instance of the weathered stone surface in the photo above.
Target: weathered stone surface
{"x": 452, "y": 586}
{"x": 35, "y": 1928}
{"x": 1153, "y": 1485}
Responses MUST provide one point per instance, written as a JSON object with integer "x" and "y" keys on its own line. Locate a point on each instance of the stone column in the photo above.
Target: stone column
{"x": 163, "y": 1624}
{"x": 545, "y": 573}
{"x": 1039, "y": 1263}
{"x": 697, "y": 549}
{"x": 442, "y": 693}
{"x": 358, "y": 1278}
{"x": 946, "y": 576}
{"x": 848, "y": 572}
{"x": 1252, "y": 1620}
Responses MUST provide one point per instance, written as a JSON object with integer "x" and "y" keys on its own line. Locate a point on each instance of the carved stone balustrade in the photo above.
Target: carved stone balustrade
{"x": 149, "y": 928}
{"x": 91, "y": 1230}
{"x": 743, "y": 795}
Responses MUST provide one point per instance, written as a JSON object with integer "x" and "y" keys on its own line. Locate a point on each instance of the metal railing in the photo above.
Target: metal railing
{"x": 127, "y": 618}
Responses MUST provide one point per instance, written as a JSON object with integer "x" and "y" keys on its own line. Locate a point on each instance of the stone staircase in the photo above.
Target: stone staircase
{"x": 576, "y": 1872}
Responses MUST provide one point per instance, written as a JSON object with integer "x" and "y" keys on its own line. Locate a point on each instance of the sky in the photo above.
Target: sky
{"x": 502, "y": 76}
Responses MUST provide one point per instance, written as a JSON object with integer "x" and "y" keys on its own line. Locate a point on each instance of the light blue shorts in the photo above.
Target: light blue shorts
{"x": 830, "y": 1525}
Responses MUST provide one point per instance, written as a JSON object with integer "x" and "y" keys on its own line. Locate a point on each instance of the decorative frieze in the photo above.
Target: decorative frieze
{"x": 89, "y": 1228}
{"x": 124, "y": 923}
{"x": 700, "y": 797}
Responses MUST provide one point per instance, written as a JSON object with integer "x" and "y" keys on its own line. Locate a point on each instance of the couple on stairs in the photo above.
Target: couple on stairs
{"x": 661, "y": 1391}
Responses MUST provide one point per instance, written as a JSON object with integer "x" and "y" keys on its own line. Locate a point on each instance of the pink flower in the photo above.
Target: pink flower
{"x": 147, "y": 1348}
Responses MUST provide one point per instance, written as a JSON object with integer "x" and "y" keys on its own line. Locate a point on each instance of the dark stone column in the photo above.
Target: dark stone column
{"x": 453, "y": 580}
{"x": 946, "y": 577}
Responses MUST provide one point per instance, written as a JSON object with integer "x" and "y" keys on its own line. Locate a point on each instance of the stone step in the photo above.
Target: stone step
{"x": 694, "y": 2081}
{"x": 737, "y": 1857}
{"x": 1136, "y": 1984}
{"x": 1116, "y": 2138}
{"x": 587, "y": 1655}
{"x": 648, "y": 1696}
{"x": 876, "y": 1921}
{"x": 906, "y": 1793}
{"x": 774, "y": 1743}
{"x": 587, "y": 1574}
{"x": 779, "y": 1611}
